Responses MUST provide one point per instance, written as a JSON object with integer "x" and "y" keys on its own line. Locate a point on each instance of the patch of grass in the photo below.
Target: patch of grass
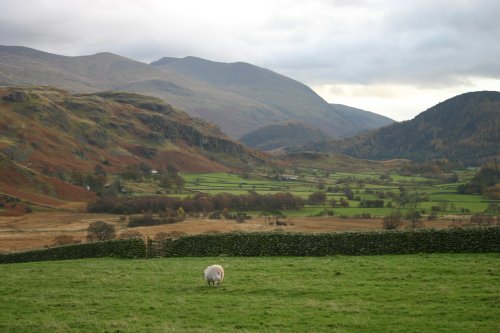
{"x": 405, "y": 293}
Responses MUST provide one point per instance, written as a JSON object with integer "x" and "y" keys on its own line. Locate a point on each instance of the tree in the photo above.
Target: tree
{"x": 166, "y": 182}
{"x": 99, "y": 170}
{"x": 348, "y": 192}
{"x": 100, "y": 231}
{"x": 344, "y": 203}
{"x": 317, "y": 198}
{"x": 415, "y": 218}
{"x": 179, "y": 182}
{"x": 392, "y": 221}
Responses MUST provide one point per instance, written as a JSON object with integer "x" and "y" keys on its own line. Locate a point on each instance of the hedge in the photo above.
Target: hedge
{"x": 349, "y": 243}
{"x": 123, "y": 248}
{"x": 282, "y": 244}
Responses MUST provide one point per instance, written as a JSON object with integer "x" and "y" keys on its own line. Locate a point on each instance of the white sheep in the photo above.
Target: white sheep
{"x": 213, "y": 274}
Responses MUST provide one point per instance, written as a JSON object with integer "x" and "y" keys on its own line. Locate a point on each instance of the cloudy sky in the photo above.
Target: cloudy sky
{"x": 393, "y": 57}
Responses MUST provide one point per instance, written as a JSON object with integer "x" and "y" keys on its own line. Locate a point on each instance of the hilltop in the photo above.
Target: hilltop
{"x": 464, "y": 128}
{"x": 238, "y": 97}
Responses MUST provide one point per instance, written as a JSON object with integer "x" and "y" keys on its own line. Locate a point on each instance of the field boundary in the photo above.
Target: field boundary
{"x": 243, "y": 244}
{"x": 456, "y": 240}
{"x": 123, "y": 248}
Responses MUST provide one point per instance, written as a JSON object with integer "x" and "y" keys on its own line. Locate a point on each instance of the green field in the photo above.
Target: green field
{"x": 397, "y": 293}
{"x": 365, "y": 186}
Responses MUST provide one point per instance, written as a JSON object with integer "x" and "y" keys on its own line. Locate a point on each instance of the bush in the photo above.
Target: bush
{"x": 392, "y": 221}
{"x": 100, "y": 231}
{"x": 65, "y": 240}
{"x": 349, "y": 243}
{"x": 147, "y": 219}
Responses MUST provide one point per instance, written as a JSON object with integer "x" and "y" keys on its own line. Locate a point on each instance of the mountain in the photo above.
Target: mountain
{"x": 463, "y": 128}
{"x": 283, "y": 135}
{"x": 55, "y": 132}
{"x": 283, "y": 99}
{"x": 238, "y": 97}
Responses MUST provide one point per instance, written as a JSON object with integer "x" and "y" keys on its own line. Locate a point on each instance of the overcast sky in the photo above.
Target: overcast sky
{"x": 393, "y": 57}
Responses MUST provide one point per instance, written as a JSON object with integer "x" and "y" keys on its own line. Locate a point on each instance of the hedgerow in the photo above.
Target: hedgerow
{"x": 123, "y": 248}
{"x": 350, "y": 243}
{"x": 474, "y": 240}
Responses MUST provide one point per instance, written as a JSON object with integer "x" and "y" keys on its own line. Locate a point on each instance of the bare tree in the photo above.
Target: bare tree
{"x": 100, "y": 231}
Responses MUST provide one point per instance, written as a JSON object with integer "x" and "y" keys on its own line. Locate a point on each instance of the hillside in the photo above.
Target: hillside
{"x": 284, "y": 99}
{"x": 464, "y": 128}
{"x": 283, "y": 135}
{"x": 30, "y": 185}
{"x": 238, "y": 97}
{"x": 52, "y": 132}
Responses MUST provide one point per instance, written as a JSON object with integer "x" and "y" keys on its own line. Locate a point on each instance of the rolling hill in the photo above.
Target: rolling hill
{"x": 464, "y": 128}
{"x": 49, "y": 132}
{"x": 238, "y": 97}
{"x": 284, "y": 135}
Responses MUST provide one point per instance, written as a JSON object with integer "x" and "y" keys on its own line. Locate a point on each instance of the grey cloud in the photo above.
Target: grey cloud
{"x": 439, "y": 42}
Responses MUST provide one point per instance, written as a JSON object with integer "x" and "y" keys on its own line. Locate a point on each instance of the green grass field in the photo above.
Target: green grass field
{"x": 363, "y": 185}
{"x": 403, "y": 293}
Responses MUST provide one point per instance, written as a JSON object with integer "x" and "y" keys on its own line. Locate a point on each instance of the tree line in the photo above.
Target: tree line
{"x": 198, "y": 203}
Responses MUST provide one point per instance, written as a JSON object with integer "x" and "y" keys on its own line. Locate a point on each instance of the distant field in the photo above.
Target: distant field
{"x": 442, "y": 195}
{"x": 404, "y": 293}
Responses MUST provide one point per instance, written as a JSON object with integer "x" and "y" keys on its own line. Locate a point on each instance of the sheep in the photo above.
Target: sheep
{"x": 213, "y": 274}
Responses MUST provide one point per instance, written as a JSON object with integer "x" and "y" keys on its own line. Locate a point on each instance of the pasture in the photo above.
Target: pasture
{"x": 397, "y": 293}
{"x": 367, "y": 185}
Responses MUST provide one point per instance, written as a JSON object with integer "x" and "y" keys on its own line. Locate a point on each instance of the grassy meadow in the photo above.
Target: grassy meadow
{"x": 397, "y": 293}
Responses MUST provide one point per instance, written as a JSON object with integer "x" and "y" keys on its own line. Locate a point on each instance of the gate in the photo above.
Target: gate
{"x": 154, "y": 248}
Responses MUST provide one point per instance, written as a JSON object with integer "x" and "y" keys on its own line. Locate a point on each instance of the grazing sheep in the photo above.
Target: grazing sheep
{"x": 213, "y": 274}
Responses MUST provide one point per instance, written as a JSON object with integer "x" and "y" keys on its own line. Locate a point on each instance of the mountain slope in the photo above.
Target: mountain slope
{"x": 283, "y": 135}
{"x": 285, "y": 99}
{"x": 463, "y": 128}
{"x": 237, "y": 97}
{"x": 56, "y": 132}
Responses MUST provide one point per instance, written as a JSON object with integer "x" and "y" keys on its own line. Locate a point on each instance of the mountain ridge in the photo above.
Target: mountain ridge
{"x": 463, "y": 128}
{"x": 249, "y": 98}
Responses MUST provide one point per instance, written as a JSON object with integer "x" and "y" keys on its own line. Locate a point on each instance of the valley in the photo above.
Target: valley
{"x": 72, "y": 157}
{"x": 249, "y": 166}
{"x": 441, "y": 207}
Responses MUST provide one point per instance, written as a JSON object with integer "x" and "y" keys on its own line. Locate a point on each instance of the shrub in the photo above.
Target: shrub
{"x": 147, "y": 219}
{"x": 392, "y": 221}
{"x": 100, "y": 231}
{"x": 65, "y": 240}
